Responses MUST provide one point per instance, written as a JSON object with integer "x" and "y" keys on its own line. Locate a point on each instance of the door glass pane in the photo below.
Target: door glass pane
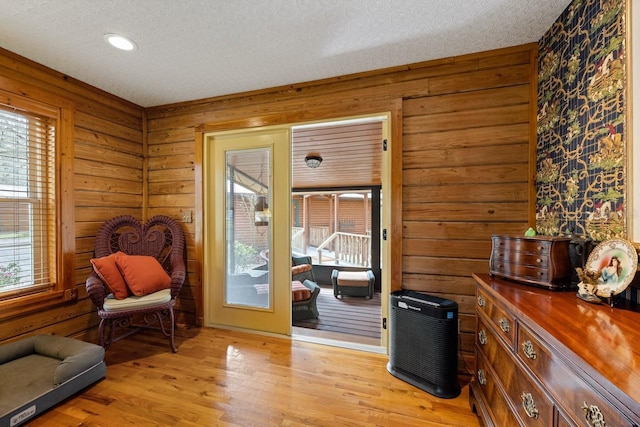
{"x": 248, "y": 228}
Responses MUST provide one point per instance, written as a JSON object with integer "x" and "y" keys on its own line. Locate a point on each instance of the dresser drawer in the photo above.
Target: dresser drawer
{"x": 493, "y": 395}
{"x": 571, "y": 393}
{"x": 524, "y": 272}
{"x": 506, "y": 244}
{"x": 534, "y": 408}
{"x": 487, "y": 341}
{"x": 501, "y": 258}
{"x": 504, "y": 322}
{"x": 563, "y": 421}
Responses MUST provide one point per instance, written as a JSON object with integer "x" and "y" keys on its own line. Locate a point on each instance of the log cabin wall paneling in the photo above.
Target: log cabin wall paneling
{"x": 466, "y": 175}
{"x": 467, "y": 135}
{"x": 351, "y": 213}
{"x": 107, "y": 180}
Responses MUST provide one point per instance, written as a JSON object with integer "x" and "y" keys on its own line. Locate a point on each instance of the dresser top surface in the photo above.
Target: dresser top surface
{"x": 606, "y": 339}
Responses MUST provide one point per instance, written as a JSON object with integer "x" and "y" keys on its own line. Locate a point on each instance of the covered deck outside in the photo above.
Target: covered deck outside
{"x": 339, "y": 248}
{"x": 338, "y": 228}
{"x": 351, "y": 319}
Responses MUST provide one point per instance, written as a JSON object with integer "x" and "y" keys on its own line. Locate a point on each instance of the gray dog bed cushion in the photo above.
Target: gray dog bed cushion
{"x": 40, "y": 371}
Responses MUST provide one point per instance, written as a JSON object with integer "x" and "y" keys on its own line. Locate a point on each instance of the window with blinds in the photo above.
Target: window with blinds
{"x": 27, "y": 202}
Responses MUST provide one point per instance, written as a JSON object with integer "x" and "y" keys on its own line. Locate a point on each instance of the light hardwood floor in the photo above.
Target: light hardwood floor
{"x": 231, "y": 378}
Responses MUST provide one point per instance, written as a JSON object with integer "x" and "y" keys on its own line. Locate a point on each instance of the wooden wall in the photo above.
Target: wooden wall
{"x": 468, "y": 127}
{"x": 353, "y": 212}
{"x": 107, "y": 181}
{"x": 465, "y": 125}
{"x": 466, "y": 157}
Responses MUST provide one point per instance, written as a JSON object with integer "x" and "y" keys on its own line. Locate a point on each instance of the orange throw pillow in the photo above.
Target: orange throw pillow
{"x": 105, "y": 267}
{"x": 143, "y": 274}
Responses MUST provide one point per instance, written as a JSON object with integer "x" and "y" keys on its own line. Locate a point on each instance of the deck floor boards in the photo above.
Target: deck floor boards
{"x": 346, "y": 315}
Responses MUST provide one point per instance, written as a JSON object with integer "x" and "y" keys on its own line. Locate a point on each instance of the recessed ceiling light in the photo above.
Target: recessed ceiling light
{"x": 120, "y": 41}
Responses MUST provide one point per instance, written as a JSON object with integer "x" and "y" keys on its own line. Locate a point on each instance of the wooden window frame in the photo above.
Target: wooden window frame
{"x": 63, "y": 288}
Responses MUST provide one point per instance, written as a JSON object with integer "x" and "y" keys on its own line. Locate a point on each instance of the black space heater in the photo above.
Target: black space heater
{"x": 423, "y": 342}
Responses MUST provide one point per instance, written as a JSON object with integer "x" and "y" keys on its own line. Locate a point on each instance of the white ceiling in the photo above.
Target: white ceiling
{"x": 194, "y": 49}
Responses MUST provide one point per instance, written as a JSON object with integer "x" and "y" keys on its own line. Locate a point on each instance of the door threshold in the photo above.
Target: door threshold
{"x": 353, "y": 345}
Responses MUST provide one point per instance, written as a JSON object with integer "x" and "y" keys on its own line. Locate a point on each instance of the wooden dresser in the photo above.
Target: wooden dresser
{"x": 547, "y": 358}
{"x": 539, "y": 260}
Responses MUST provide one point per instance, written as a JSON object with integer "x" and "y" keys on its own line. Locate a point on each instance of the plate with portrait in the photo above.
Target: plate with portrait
{"x": 615, "y": 261}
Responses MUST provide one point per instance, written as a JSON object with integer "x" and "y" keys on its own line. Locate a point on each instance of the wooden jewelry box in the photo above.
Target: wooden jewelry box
{"x": 541, "y": 260}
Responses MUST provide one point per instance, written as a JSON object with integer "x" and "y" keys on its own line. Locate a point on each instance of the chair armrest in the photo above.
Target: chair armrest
{"x": 178, "y": 273}
{"x": 177, "y": 280}
{"x": 312, "y": 286}
{"x": 371, "y": 276}
{"x": 96, "y": 289}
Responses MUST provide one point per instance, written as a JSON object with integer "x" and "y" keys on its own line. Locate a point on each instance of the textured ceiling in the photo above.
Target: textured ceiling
{"x": 193, "y": 49}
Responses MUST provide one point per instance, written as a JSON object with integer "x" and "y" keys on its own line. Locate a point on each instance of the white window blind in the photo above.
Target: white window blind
{"x": 27, "y": 202}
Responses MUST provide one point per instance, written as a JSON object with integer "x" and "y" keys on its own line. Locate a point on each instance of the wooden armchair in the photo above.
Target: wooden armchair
{"x": 161, "y": 238}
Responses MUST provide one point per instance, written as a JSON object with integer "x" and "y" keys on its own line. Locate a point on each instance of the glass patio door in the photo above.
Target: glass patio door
{"x": 247, "y": 227}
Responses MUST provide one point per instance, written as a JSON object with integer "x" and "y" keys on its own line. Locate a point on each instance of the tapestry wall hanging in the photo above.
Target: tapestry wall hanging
{"x": 581, "y": 144}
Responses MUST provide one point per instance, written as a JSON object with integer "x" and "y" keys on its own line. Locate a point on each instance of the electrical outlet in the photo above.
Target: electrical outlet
{"x": 186, "y": 216}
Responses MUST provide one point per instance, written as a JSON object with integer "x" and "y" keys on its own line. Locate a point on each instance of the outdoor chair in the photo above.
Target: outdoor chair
{"x": 304, "y": 297}
{"x": 304, "y": 289}
{"x": 138, "y": 271}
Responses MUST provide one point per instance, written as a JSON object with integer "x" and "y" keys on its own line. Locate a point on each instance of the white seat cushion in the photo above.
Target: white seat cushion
{"x": 111, "y": 304}
{"x": 353, "y": 278}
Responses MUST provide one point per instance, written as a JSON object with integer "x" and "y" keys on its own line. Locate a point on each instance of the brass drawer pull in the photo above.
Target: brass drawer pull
{"x": 480, "y": 300}
{"x": 593, "y": 415}
{"x": 527, "y": 349}
{"x": 482, "y": 337}
{"x": 504, "y": 324}
{"x": 529, "y": 405}
{"x": 482, "y": 379}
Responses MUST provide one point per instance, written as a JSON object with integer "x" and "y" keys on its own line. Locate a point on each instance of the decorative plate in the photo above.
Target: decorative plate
{"x": 617, "y": 261}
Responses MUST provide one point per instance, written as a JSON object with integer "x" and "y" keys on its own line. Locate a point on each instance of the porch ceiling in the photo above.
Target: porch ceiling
{"x": 351, "y": 156}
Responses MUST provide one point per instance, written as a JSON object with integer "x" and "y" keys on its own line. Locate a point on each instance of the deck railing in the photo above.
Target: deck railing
{"x": 297, "y": 239}
{"x": 317, "y": 235}
{"x": 350, "y": 248}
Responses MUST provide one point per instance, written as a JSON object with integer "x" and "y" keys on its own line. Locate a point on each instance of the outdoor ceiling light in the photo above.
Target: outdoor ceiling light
{"x": 120, "y": 42}
{"x": 313, "y": 161}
